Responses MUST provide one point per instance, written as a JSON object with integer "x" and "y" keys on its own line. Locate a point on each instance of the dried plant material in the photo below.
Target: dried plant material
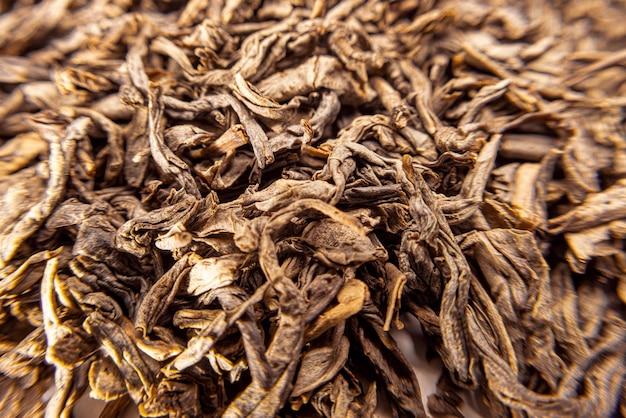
{"x": 105, "y": 380}
{"x": 350, "y": 301}
{"x": 221, "y": 208}
{"x": 320, "y": 365}
{"x": 213, "y": 273}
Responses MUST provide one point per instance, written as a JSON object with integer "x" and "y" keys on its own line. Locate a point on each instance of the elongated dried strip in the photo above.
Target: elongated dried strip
{"x": 38, "y": 21}
{"x": 14, "y": 280}
{"x": 168, "y": 162}
{"x": 18, "y": 152}
{"x": 351, "y": 298}
{"x": 319, "y": 365}
{"x": 24, "y": 362}
{"x": 383, "y": 353}
{"x": 596, "y": 209}
{"x": 198, "y": 346}
{"x": 160, "y": 296}
{"x": 123, "y": 351}
{"x": 255, "y": 132}
{"x": 60, "y": 160}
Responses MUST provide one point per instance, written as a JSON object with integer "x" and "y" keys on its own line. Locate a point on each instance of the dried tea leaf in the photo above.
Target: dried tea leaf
{"x": 105, "y": 380}
{"x": 160, "y": 296}
{"x": 213, "y": 273}
{"x": 221, "y": 208}
{"x": 319, "y": 365}
{"x": 350, "y": 298}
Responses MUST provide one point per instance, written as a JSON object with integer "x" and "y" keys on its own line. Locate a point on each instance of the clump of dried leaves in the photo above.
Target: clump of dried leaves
{"x": 219, "y": 208}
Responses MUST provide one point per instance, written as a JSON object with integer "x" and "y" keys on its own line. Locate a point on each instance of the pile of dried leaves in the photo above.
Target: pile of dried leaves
{"x": 220, "y": 208}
